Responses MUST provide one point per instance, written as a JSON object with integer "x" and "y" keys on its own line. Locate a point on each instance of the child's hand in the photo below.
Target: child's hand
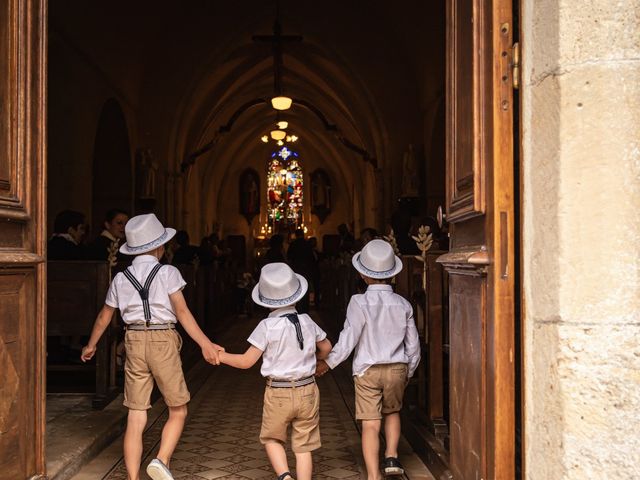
{"x": 210, "y": 353}
{"x": 87, "y": 353}
{"x": 321, "y": 368}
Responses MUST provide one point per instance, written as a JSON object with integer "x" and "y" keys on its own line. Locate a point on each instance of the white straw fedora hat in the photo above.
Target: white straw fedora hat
{"x": 145, "y": 233}
{"x": 377, "y": 260}
{"x": 279, "y": 286}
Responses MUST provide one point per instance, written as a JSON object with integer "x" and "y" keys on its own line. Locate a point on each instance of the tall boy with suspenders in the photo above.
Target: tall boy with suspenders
{"x": 149, "y": 296}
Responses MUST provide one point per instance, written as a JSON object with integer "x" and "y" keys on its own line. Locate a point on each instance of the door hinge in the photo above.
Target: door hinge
{"x": 515, "y": 65}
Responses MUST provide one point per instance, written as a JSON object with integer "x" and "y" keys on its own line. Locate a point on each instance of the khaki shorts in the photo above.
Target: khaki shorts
{"x": 298, "y": 407}
{"x": 379, "y": 390}
{"x": 153, "y": 355}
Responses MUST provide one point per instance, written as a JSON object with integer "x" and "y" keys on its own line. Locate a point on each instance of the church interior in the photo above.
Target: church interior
{"x": 181, "y": 94}
{"x": 167, "y": 108}
{"x": 481, "y": 139}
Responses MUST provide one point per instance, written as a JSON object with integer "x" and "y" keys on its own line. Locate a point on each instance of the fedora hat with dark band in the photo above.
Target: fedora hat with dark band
{"x": 145, "y": 233}
{"x": 377, "y": 260}
{"x": 279, "y": 286}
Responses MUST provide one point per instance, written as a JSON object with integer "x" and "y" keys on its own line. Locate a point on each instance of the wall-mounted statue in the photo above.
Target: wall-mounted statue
{"x": 320, "y": 194}
{"x": 249, "y": 189}
{"x": 410, "y": 186}
{"x": 146, "y": 174}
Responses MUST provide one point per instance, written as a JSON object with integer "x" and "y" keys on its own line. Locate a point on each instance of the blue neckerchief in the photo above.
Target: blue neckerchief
{"x": 293, "y": 318}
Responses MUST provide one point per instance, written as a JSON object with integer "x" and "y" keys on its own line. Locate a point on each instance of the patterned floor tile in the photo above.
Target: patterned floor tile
{"x": 212, "y": 474}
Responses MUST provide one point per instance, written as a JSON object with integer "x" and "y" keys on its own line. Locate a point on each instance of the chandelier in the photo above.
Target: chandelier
{"x": 279, "y": 101}
{"x": 279, "y": 134}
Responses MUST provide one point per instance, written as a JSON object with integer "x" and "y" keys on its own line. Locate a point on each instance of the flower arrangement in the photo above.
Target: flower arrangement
{"x": 112, "y": 250}
{"x": 391, "y": 238}
{"x": 423, "y": 240}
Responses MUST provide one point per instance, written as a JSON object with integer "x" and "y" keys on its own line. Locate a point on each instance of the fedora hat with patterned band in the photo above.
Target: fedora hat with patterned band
{"x": 377, "y": 260}
{"x": 145, "y": 233}
{"x": 279, "y": 286}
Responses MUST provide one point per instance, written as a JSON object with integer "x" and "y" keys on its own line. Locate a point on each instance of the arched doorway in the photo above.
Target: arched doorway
{"x": 112, "y": 184}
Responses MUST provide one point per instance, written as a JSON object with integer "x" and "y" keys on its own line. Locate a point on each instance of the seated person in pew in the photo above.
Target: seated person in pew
{"x": 149, "y": 296}
{"x": 69, "y": 230}
{"x": 107, "y": 243}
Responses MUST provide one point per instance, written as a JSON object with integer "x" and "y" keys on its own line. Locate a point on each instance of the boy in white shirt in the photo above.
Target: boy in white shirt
{"x": 380, "y": 326}
{"x": 287, "y": 343}
{"x": 149, "y": 296}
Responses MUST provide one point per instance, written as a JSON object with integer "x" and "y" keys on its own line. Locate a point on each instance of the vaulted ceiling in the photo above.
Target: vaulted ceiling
{"x": 184, "y": 68}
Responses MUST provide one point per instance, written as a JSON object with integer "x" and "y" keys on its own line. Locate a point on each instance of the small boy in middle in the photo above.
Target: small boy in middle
{"x": 288, "y": 343}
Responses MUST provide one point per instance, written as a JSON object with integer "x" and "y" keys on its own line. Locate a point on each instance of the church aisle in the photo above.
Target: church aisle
{"x": 220, "y": 440}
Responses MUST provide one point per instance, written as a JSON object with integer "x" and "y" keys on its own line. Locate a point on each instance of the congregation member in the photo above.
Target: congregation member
{"x": 69, "y": 230}
{"x": 301, "y": 259}
{"x": 112, "y": 235}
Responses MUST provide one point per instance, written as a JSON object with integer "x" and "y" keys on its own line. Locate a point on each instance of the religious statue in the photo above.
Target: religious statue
{"x": 410, "y": 174}
{"x": 320, "y": 194}
{"x": 249, "y": 194}
{"x": 147, "y": 168}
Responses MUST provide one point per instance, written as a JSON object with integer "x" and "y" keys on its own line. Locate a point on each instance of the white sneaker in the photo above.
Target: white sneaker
{"x": 158, "y": 470}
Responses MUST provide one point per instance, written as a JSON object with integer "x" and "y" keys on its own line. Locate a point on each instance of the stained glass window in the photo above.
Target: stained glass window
{"x": 284, "y": 188}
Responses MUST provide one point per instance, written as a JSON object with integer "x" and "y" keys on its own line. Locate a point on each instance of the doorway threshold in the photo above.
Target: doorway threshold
{"x": 77, "y": 433}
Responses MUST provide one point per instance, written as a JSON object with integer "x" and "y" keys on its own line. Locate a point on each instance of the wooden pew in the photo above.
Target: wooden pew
{"x": 76, "y": 291}
{"x": 429, "y": 404}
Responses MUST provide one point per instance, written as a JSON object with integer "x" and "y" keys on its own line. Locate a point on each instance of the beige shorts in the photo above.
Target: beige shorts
{"x": 298, "y": 407}
{"x": 379, "y": 390}
{"x": 153, "y": 355}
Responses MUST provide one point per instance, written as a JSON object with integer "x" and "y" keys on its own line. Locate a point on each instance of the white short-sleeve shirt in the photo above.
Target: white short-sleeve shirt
{"x": 124, "y": 296}
{"x": 276, "y": 337}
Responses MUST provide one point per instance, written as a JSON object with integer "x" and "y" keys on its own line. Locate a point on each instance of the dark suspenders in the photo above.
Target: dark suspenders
{"x": 143, "y": 291}
{"x": 293, "y": 318}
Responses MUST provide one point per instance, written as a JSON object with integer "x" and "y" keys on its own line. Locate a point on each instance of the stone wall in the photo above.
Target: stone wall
{"x": 581, "y": 234}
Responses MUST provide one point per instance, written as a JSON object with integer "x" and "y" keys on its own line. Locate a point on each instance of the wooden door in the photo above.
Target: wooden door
{"x": 22, "y": 238}
{"x": 480, "y": 215}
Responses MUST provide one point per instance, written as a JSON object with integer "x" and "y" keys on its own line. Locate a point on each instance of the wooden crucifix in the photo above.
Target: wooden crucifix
{"x": 277, "y": 40}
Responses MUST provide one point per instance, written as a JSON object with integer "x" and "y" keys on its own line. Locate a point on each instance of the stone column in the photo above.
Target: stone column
{"x": 581, "y": 236}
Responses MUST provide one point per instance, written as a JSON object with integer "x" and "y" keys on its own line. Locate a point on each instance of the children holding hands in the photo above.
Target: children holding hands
{"x": 294, "y": 350}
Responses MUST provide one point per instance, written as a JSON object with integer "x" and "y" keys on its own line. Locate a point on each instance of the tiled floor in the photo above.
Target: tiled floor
{"x": 220, "y": 440}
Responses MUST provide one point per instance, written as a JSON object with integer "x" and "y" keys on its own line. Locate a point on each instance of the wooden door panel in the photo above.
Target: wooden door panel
{"x": 468, "y": 298}
{"x": 480, "y": 196}
{"x": 7, "y": 79}
{"x": 467, "y": 39}
{"x": 16, "y": 344}
{"x": 12, "y": 106}
{"x": 22, "y": 237}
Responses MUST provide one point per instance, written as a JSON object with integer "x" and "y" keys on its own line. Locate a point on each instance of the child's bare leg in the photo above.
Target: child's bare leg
{"x": 304, "y": 466}
{"x": 136, "y": 421}
{"x": 392, "y": 434}
{"x": 171, "y": 433}
{"x": 371, "y": 447}
{"x": 277, "y": 457}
